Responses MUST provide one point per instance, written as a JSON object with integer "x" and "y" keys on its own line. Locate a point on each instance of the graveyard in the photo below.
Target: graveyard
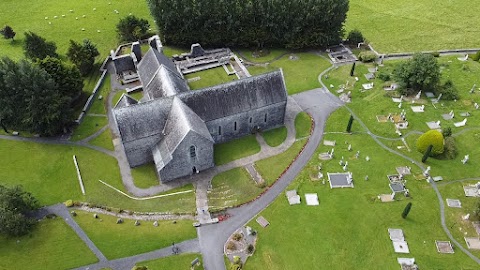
{"x": 342, "y": 211}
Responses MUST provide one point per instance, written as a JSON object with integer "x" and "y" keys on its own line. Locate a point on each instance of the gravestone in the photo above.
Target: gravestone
{"x": 95, "y": 216}
{"x": 357, "y": 155}
{"x": 465, "y": 159}
{"x": 119, "y": 221}
{"x": 155, "y": 223}
{"x": 349, "y": 147}
{"x": 137, "y": 223}
{"x": 74, "y": 214}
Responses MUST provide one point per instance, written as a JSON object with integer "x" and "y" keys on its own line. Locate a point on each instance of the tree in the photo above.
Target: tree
{"x": 36, "y": 47}
{"x": 30, "y": 99}
{"x": 431, "y": 137}
{"x": 256, "y": 24}
{"x": 448, "y": 91}
{"x": 8, "y": 32}
{"x": 421, "y": 73}
{"x": 352, "y": 71}
{"x": 427, "y": 153}
{"x": 15, "y": 204}
{"x": 132, "y": 28}
{"x": 350, "y": 122}
{"x": 83, "y": 55}
{"x": 354, "y": 37}
{"x": 406, "y": 210}
{"x": 67, "y": 77}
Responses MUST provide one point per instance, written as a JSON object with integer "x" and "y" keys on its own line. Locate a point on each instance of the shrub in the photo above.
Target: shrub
{"x": 431, "y": 137}
{"x": 384, "y": 76}
{"x": 237, "y": 236}
{"x": 237, "y": 260}
{"x": 449, "y": 91}
{"x": 406, "y": 210}
{"x": 476, "y": 57}
{"x": 250, "y": 249}
{"x": 450, "y": 150}
{"x": 447, "y": 132}
{"x": 140, "y": 267}
{"x": 231, "y": 246}
{"x": 367, "y": 56}
{"x": 354, "y": 37}
{"x": 68, "y": 203}
{"x": 436, "y": 54}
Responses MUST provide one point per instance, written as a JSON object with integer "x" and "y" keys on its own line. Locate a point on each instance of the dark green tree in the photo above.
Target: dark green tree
{"x": 30, "y": 99}
{"x": 350, "y": 122}
{"x": 36, "y": 47}
{"x": 67, "y": 76}
{"x": 131, "y": 28}
{"x": 406, "y": 210}
{"x": 352, "y": 71}
{"x": 427, "y": 153}
{"x": 83, "y": 55}
{"x": 8, "y": 33}
{"x": 354, "y": 37}
{"x": 419, "y": 73}
{"x": 448, "y": 91}
{"x": 250, "y": 23}
{"x": 15, "y": 204}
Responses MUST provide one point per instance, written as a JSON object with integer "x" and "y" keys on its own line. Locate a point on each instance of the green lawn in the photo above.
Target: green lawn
{"x": 118, "y": 95}
{"x": 23, "y": 15}
{"x": 232, "y": 188}
{"x": 99, "y": 106}
{"x": 275, "y": 137}
{"x": 145, "y": 176}
{"x": 301, "y": 74}
{"x": 266, "y": 56}
{"x": 89, "y": 126}
{"x": 51, "y": 177}
{"x": 209, "y": 77}
{"x": 407, "y": 26}
{"x": 303, "y": 124}
{"x": 236, "y": 149}
{"x": 123, "y": 240}
{"x": 52, "y": 245}
{"x": 182, "y": 261}
{"x": 104, "y": 140}
{"x": 349, "y": 228}
{"x": 367, "y": 105}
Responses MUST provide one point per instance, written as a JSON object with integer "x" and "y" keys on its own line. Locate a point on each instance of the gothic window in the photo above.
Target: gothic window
{"x": 235, "y": 126}
{"x": 251, "y": 120}
{"x": 193, "y": 151}
{"x": 219, "y": 130}
{"x": 265, "y": 119}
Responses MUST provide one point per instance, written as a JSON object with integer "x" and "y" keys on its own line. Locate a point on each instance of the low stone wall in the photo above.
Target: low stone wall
{"x": 91, "y": 99}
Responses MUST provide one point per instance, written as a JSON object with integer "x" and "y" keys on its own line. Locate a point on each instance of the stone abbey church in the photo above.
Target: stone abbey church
{"x": 176, "y": 127}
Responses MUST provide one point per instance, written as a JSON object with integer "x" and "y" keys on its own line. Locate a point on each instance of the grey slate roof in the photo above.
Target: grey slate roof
{"x": 159, "y": 76}
{"x": 125, "y": 101}
{"x": 181, "y": 121}
{"x": 164, "y": 84}
{"x": 143, "y": 119}
{"x": 237, "y": 96}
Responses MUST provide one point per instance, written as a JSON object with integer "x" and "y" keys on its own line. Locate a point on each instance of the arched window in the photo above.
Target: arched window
{"x": 193, "y": 151}
{"x": 235, "y": 126}
{"x": 250, "y": 120}
{"x": 265, "y": 119}
{"x": 219, "y": 130}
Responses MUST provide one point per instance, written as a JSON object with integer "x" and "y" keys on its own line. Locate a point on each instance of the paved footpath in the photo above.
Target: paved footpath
{"x": 319, "y": 103}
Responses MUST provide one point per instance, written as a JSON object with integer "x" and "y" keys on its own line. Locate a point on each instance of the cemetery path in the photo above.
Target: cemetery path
{"x": 57, "y": 142}
{"x": 432, "y": 183}
{"x": 319, "y": 103}
{"x": 127, "y": 263}
{"x": 419, "y": 164}
{"x": 458, "y": 181}
{"x": 94, "y": 135}
{"x": 60, "y": 210}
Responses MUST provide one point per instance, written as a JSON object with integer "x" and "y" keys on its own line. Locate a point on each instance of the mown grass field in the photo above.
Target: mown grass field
{"x": 236, "y": 149}
{"x": 52, "y": 245}
{"x": 409, "y": 26}
{"x": 23, "y": 15}
{"x": 275, "y": 137}
{"x": 126, "y": 239}
{"x": 51, "y": 177}
{"x": 181, "y": 262}
{"x": 348, "y": 230}
{"x": 209, "y": 77}
{"x": 301, "y": 74}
